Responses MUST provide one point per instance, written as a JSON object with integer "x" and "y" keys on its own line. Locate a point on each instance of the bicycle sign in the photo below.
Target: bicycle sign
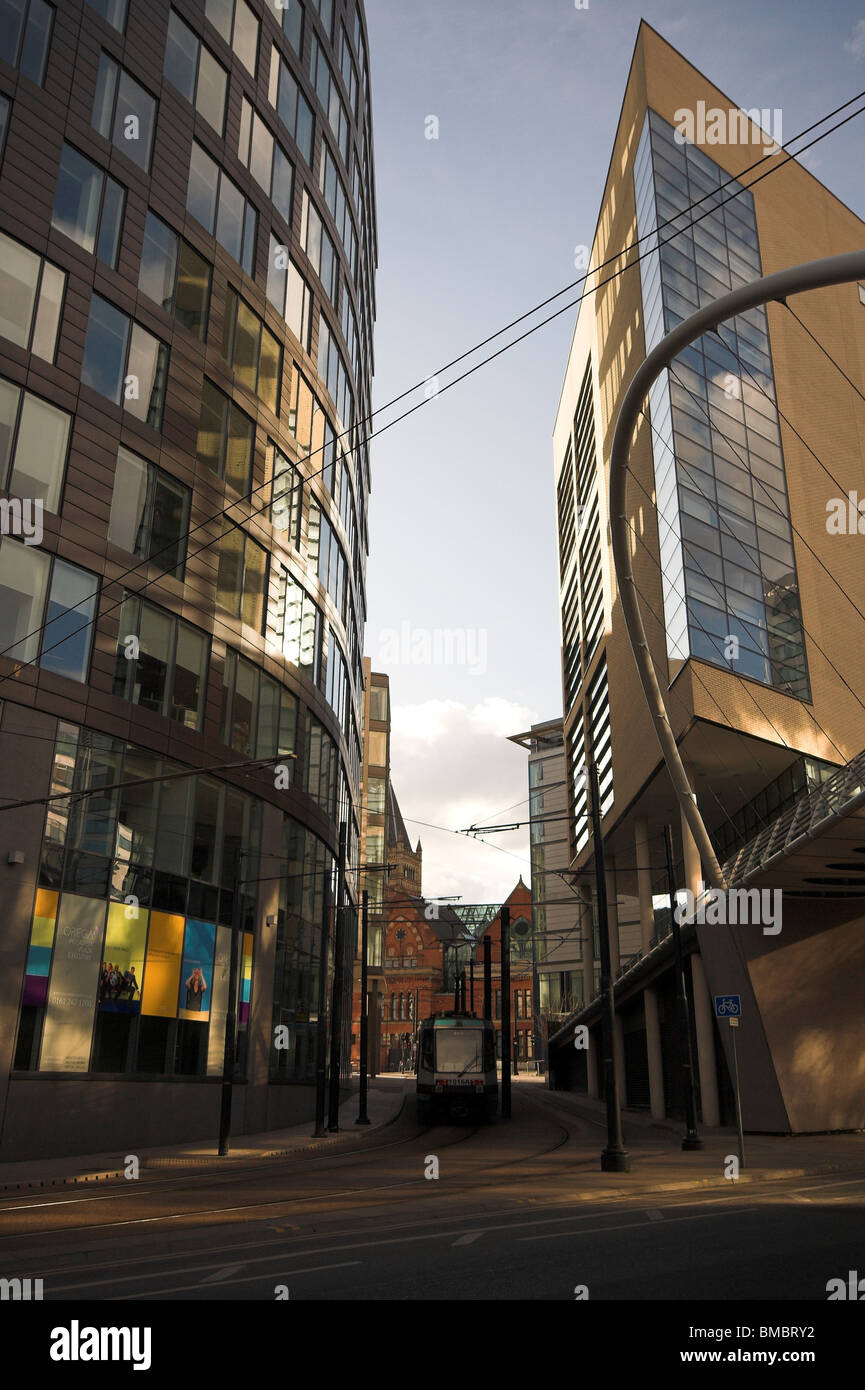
{"x": 728, "y": 1006}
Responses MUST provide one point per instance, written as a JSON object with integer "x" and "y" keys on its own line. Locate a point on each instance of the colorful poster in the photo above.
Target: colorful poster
{"x": 73, "y": 985}
{"x": 245, "y": 982}
{"x": 39, "y": 954}
{"x": 122, "y": 967}
{"x": 162, "y": 965}
{"x": 219, "y": 1002}
{"x": 196, "y": 972}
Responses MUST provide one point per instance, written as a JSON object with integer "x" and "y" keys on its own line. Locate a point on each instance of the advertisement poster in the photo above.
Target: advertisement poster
{"x": 196, "y": 972}
{"x": 122, "y": 968}
{"x": 39, "y": 954}
{"x": 73, "y": 985}
{"x": 162, "y": 966}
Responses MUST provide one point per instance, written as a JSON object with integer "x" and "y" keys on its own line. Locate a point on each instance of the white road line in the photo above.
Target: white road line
{"x": 468, "y": 1238}
{"x": 247, "y": 1279}
{"x": 653, "y": 1214}
{"x": 631, "y": 1225}
{"x": 221, "y": 1274}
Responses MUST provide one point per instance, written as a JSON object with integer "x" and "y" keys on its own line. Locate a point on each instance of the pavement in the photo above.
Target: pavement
{"x": 386, "y": 1098}
{"x": 658, "y": 1163}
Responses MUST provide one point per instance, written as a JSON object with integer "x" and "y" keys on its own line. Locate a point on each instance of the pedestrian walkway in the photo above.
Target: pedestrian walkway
{"x": 385, "y": 1102}
{"x": 658, "y": 1162}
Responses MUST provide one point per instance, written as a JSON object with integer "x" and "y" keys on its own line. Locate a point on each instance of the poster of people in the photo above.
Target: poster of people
{"x": 122, "y": 968}
{"x": 196, "y": 971}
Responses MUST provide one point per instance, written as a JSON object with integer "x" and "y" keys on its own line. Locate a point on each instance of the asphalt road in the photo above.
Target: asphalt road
{"x": 503, "y": 1220}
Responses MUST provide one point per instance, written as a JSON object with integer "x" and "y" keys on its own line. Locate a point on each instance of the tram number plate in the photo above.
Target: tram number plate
{"x": 457, "y": 1081}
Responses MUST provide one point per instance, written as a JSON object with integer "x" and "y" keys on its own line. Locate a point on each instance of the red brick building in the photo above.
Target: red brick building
{"x": 426, "y": 944}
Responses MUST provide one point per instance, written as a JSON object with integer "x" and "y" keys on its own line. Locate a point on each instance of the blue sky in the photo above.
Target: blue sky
{"x": 474, "y": 228}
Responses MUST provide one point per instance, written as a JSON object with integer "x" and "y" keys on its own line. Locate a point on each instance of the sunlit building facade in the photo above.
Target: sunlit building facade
{"x": 752, "y": 606}
{"x": 187, "y": 258}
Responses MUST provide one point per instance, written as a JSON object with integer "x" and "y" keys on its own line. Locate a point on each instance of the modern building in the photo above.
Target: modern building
{"x": 556, "y": 918}
{"x": 753, "y": 602}
{"x": 390, "y": 870}
{"x": 187, "y": 258}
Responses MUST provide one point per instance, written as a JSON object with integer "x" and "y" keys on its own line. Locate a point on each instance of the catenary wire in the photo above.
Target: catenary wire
{"x": 449, "y": 385}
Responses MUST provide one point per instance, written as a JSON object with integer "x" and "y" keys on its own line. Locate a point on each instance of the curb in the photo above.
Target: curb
{"x": 204, "y": 1164}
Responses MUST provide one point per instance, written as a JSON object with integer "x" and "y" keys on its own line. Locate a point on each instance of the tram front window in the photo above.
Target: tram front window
{"x": 458, "y": 1051}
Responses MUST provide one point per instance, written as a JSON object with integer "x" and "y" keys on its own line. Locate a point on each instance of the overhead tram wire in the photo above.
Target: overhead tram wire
{"x": 789, "y": 157}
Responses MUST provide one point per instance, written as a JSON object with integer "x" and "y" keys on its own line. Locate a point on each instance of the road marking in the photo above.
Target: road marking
{"x": 247, "y": 1279}
{"x": 654, "y": 1215}
{"x": 220, "y": 1274}
{"x": 630, "y": 1225}
{"x": 468, "y": 1238}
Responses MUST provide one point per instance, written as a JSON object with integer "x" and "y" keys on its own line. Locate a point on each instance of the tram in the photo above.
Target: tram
{"x": 456, "y": 1068}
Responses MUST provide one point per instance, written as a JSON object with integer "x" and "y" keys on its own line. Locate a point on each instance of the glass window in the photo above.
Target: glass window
{"x": 193, "y": 70}
{"x": 47, "y": 609}
{"x": 35, "y": 438}
{"x": 24, "y": 574}
{"x": 266, "y": 160}
{"x": 288, "y": 291}
{"x": 328, "y": 95}
{"x": 88, "y": 206}
{"x": 292, "y": 106}
{"x": 174, "y": 275}
{"x": 169, "y": 673}
{"x": 124, "y": 362}
{"x": 286, "y": 496}
{"x": 31, "y": 298}
{"x": 226, "y": 437}
{"x": 378, "y": 702}
{"x": 4, "y": 121}
{"x": 69, "y": 621}
{"x": 25, "y": 32}
{"x": 124, "y": 112}
{"x": 292, "y": 23}
{"x": 149, "y": 513}
{"x": 251, "y": 350}
{"x": 242, "y": 576}
{"x": 238, "y": 25}
{"x": 112, "y": 10}
{"x": 221, "y": 208}
{"x": 325, "y": 13}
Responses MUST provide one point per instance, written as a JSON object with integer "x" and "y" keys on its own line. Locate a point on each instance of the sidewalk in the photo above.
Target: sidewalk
{"x": 386, "y": 1099}
{"x": 658, "y": 1163}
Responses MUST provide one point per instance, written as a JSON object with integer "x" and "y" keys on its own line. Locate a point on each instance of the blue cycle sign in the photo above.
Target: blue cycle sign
{"x": 728, "y": 1006}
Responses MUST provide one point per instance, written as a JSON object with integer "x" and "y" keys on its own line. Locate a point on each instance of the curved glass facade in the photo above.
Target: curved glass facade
{"x": 199, "y": 296}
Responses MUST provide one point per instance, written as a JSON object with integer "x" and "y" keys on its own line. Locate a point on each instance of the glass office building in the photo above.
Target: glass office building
{"x": 731, "y": 594}
{"x": 188, "y": 250}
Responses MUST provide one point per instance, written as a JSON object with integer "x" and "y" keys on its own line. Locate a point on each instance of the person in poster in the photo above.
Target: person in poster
{"x": 195, "y": 987}
{"x": 196, "y": 975}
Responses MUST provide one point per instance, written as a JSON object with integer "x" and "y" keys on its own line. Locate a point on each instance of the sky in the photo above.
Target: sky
{"x": 476, "y": 226}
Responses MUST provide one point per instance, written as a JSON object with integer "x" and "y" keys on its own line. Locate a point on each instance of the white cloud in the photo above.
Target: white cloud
{"x": 856, "y": 44}
{"x": 452, "y": 766}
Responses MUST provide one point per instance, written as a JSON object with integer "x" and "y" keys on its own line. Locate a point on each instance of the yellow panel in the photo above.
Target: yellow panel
{"x": 162, "y": 966}
{"x": 46, "y": 903}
